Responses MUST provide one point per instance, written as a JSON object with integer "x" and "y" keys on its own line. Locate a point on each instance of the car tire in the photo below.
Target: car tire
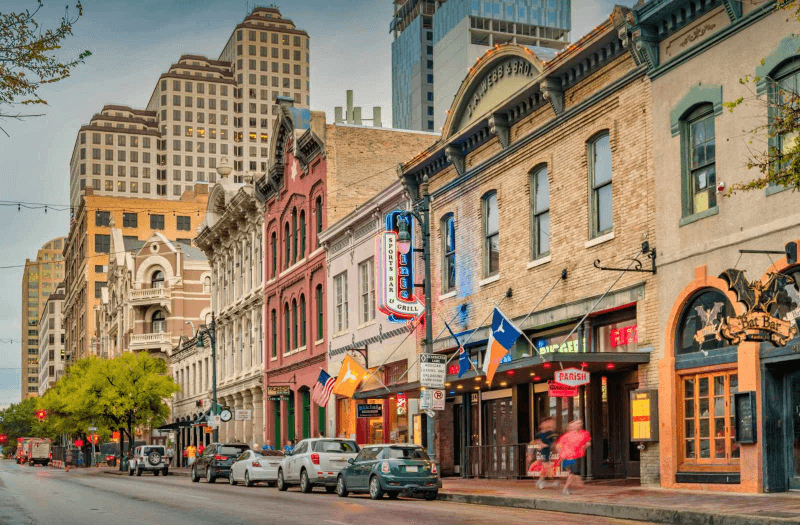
{"x": 341, "y": 488}
{"x": 393, "y": 494}
{"x": 375, "y": 490}
{"x": 165, "y": 472}
{"x": 139, "y": 471}
{"x": 330, "y": 489}
{"x": 247, "y": 481}
{"x": 209, "y": 477}
{"x": 431, "y": 495}
{"x": 156, "y": 472}
{"x": 305, "y": 483}
{"x": 195, "y": 477}
{"x": 231, "y": 480}
{"x": 282, "y": 485}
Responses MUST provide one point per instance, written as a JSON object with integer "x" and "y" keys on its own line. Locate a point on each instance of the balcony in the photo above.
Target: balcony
{"x": 155, "y": 341}
{"x": 150, "y": 296}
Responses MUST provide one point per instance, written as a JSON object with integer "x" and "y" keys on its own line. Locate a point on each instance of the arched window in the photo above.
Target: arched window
{"x": 159, "y": 322}
{"x": 302, "y": 234}
{"x": 788, "y": 300}
{"x": 274, "y": 324}
{"x": 318, "y": 217}
{"x": 295, "y": 235}
{"x": 784, "y": 91}
{"x": 294, "y": 323}
{"x": 287, "y": 239}
{"x": 207, "y": 285}
{"x": 491, "y": 235}
{"x": 157, "y": 279}
{"x": 540, "y": 213}
{"x": 302, "y": 320}
{"x": 320, "y": 316}
{"x": 699, "y": 321}
{"x": 274, "y": 243}
{"x": 288, "y": 322}
{"x": 249, "y": 343}
{"x": 448, "y": 234}
{"x": 599, "y": 161}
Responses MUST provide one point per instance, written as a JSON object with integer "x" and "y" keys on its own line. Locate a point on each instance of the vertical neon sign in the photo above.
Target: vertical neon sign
{"x": 395, "y": 295}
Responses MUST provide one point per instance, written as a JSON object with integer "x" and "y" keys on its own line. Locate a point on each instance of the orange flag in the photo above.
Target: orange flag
{"x": 350, "y": 376}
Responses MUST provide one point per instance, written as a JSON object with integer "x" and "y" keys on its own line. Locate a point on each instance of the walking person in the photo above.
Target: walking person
{"x": 571, "y": 449}
{"x": 185, "y": 458}
{"x": 68, "y": 460}
{"x": 545, "y": 439}
{"x": 191, "y": 453}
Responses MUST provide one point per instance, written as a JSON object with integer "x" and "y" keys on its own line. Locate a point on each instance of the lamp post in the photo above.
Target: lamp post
{"x": 211, "y": 332}
{"x": 421, "y": 212}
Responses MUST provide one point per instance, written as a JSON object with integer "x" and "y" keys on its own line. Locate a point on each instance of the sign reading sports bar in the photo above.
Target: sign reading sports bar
{"x": 396, "y": 272}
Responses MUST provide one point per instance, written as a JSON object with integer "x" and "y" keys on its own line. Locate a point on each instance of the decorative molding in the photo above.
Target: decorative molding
{"x": 733, "y": 8}
{"x": 553, "y": 93}
{"x": 787, "y": 48}
{"x": 498, "y": 125}
{"x": 456, "y": 157}
{"x": 319, "y": 358}
{"x": 697, "y": 94}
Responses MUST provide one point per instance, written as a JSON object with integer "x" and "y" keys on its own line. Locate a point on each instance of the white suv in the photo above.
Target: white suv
{"x": 149, "y": 457}
{"x": 316, "y": 462}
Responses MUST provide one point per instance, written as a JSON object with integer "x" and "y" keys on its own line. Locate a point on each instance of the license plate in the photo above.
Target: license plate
{"x": 412, "y": 469}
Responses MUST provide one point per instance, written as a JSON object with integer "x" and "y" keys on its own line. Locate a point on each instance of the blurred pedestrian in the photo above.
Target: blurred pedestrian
{"x": 68, "y": 460}
{"x": 200, "y": 449}
{"x": 544, "y": 440}
{"x": 191, "y": 453}
{"x": 571, "y": 450}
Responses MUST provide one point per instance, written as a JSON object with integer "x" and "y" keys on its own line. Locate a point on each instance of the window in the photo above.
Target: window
{"x": 599, "y": 151}
{"x": 159, "y": 322}
{"x": 318, "y": 213}
{"x": 207, "y": 285}
{"x": 340, "y": 297}
{"x": 274, "y": 320}
{"x": 288, "y": 245}
{"x": 448, "y": 233}
{"x": 157, "y": 279}
{"x": 699, "y": 172}
{"x": 102, "y": 218}
{"x": 156, "y": 222}
{"x": 491, "y": 235}
{"x": 295, "y": 232}
{"x": 784, "y": 90}
{"x": 288, "y": 328}
{"x": 184, "y": 223}
{"x": 102, "y": 243}
{"x": 700, "y": 320}
{"x": 302, "y": 234}
{"x": 366, "y": 287}
{"x": 707, "y": 412}
{"x": 294, "y": 323}
{"x": 130, "y": 220}
{"x": 98, "y": 287}
{"x": 274, "y": 243}
{"x": 540, "y": 213}
{"x": 320, "y": 311}
{"x": 302, "y": 320}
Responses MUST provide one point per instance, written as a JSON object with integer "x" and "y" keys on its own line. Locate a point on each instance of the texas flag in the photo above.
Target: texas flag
{"x": 504, "y": 335}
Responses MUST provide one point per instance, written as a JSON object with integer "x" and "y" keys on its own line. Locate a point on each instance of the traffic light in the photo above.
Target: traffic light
{"x": 41, "y": 414}
{"x": 3, "y": 439}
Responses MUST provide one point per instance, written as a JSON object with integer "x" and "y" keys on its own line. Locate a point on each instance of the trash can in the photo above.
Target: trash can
{"x": 111, "y": 461}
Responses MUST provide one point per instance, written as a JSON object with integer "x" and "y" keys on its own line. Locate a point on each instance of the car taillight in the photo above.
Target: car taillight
{"x": 385, "y": 466}
{"x": 315, "y": 458}
{"x": 434, "y": 470}
{"x": 220, "y": 458}
{"x": 109, "y": 458}
{"x": 256, "y": 464}
{"x": 50, "y": 455}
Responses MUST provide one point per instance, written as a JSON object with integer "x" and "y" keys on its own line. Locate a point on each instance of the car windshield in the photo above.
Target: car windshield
{"x": 231, "y": 450}
{"x": 271, "y": 453}
{"x": 331, "y": 445}
{"x": 148, "y": 450}
{"x": 405, "y": 453}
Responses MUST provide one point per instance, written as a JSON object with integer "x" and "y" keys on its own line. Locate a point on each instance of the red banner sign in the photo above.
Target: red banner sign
{"x": 624, "y": 336}
{"x": 558, "y": 390}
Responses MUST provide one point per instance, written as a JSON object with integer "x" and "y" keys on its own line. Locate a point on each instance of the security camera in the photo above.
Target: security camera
{"x": 720, "y": 187}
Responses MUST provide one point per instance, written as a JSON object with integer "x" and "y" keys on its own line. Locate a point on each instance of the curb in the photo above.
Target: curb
{"x": 125, "y": 473}
{"x": 624, "y": 512}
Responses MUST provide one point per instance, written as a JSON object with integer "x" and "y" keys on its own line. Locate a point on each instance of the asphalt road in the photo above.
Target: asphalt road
{"x": 44, "y": 496}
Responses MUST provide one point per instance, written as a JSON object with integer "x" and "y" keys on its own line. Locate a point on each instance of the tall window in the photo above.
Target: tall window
{"x": 102, "y": 218}
{"x": 540, "y": 213}
{"x": 274, "y": 243}
{"x": 207, "y": 285}
{"x": 102, "y": 243}
{"x": 708, "y": 418}
{"x": 320, "y": 316}
{"x": 288, "y": 322}
{"x": 288, "y": 244}
{"x": 156, "y": 222}
{"x": 700, "y": 156}
{"x": 159, "y": 322}
{"x": 302, "y": 234}
{"x": 599, "y": 151}
{"x": 491, "y": 235}
{"x": 157, "y": 279}
{"x": 274, "y": 324}
{"x": 340, "y": 298}
{"x": 294, "y": 235}
{"x": 318, "y": 214}
{"x": 302, "y": 320}
{"x": 294, "y": 324}
{"x": 448, "y": 253}
{"x": 784, "y": 91}
{"x": 366, "y": 287}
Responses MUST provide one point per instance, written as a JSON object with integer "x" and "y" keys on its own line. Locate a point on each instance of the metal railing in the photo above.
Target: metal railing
{"x": 496, "y": 461}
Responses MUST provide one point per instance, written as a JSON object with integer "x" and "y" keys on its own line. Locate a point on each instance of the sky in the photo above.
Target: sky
{"x": 132, "y": 43}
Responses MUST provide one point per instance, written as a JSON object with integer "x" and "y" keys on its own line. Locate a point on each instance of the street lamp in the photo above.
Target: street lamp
{"x": 211, "y": 332}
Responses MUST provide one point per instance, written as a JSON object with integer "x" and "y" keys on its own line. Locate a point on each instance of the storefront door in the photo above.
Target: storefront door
{"x": 793, "y": 432}
{"x": 500, "y": 450}
{"x": 613, "y": 454}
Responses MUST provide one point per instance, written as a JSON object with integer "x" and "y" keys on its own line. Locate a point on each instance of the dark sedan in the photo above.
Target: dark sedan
{"x": 216, "y": 461}
{"x": 390, "y": 470}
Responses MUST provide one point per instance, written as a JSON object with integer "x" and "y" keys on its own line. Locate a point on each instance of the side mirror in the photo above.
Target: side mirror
{"x": 351, "y": 460}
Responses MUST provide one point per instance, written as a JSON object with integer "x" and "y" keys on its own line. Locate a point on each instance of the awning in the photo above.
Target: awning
{"x": 393, "y": 389}
{"x": 175, "y": 425}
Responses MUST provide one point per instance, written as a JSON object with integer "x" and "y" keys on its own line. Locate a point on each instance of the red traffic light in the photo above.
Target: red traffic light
{"x": 3, "y": 438}
{"x": 41, "y": 414}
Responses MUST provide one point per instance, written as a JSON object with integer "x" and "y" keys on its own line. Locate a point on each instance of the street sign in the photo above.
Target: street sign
{"x": 402, "y": 404}
{"x": 278, "y": 393}
{"x": 92, "y": 429}
{"x": 431, "y": 413}
{"x": 432, "y": 370}
{"x": 172, "y": 436}
{"x": 243, "y": 415}
{"x": 438, "y": 399}
{"x": 370, "y": 410}
{"x": 572, "y": 377}
{"x": 215, "y": 421}
{"x": 425, "y": 400}
{"x": 559, "y": 390}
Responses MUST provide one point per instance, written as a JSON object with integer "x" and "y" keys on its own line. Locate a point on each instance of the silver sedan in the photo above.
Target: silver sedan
{"x": 255, "y": 466}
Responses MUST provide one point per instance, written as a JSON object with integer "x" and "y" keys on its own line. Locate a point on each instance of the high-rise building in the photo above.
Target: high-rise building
{"x": 199, "y": 110}
{"x": 437, "y": 41}
{"x": 39, "y": 280}
{"x": 51, "y": 340}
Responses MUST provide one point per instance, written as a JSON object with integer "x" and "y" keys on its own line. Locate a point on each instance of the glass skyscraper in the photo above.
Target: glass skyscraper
{"x": 436, "y": 42}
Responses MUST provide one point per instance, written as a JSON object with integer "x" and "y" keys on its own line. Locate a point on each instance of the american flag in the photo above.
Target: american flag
{"x": 322, "y": 388}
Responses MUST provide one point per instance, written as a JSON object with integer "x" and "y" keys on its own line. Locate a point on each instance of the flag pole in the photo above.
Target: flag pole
{"x": 496, "y": 305}
{"x": 388, "y": 357}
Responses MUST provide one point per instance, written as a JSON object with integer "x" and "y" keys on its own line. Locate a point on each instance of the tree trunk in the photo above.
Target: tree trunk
{"x": 121, "y": 446}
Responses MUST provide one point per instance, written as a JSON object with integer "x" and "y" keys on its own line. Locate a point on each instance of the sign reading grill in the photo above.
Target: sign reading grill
{"x": 432, "y": 370}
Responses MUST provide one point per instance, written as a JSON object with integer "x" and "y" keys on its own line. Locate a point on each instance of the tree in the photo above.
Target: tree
{"x": 28, "y": 59}
{"x": 778, "y": 158}
{"x": 19, "y": 420}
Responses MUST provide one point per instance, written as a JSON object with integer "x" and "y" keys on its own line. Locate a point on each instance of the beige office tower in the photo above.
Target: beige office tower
{"x": 269, "y": 57}
{"x": 39, "y": 280}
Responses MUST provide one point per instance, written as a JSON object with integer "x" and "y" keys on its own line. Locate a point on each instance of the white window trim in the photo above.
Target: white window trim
{"x": 599, "y": 240}
{"x": 489, "y": 280}
{"x": 538, "y": 262}
{"x": 448, "y": 295}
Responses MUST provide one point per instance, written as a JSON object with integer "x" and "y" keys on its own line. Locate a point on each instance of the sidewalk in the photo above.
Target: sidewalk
{"x": 176, "y": 471}
{"x": 616, "y": 499}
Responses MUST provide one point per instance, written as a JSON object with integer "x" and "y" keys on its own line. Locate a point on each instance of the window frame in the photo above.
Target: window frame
{"x": 320, "y": 313}
{"x": 155, "y": 220}
{"x": 274, "y": 319}
{"x": 340, "y": 302}
{"x": 488, "y": 269}
{"x": 448, "y": 252}
{"x": 366, "y": 291}
{"x": 788, "y": 68}
{"x": 536, "y": 214}
{"x": 698, "y": 113}
{"x": 594, "y": 189}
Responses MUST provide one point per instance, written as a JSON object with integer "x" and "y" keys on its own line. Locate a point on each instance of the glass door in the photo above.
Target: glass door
{"x": 793, "y": 443}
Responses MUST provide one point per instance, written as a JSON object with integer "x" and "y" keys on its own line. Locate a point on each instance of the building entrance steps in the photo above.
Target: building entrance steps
{"x": 625, "y": 499}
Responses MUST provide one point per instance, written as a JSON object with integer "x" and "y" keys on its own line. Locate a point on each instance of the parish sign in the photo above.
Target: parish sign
{"x": 572, "y": 377}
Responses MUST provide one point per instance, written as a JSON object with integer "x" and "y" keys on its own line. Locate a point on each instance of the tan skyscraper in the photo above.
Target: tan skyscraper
{"x": 39, "y": 280}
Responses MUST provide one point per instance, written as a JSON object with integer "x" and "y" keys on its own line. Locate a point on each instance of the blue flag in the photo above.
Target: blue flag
{"x": 463, "y": 356}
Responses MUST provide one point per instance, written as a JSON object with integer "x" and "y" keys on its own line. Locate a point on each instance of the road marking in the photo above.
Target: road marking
{"x": 336, "y": 522}
{"x": 196, "y": 497}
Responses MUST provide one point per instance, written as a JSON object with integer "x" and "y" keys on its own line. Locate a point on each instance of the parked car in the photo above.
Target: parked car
{"x": 216, "y": 460}
{"x": 149, "y": 457}
{"x": 254, "y": 466}
{"x": 316, "y": 462}
{"x": 390, "y": 469}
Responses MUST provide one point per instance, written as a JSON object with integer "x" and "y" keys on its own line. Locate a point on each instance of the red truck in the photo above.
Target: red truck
{"x": 22, "y": 449}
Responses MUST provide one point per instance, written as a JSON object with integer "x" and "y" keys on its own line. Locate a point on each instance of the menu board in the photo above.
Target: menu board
{"x": 745, "y": 416}
{"x": 644, "y": 415}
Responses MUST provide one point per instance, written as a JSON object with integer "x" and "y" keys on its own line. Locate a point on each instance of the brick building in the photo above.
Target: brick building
{"x": 541, "y": 170}
{"x": 318, "y": 174}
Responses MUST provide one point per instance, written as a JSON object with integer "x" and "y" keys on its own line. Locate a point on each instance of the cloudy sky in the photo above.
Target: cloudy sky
{"x": 132, "y": 43}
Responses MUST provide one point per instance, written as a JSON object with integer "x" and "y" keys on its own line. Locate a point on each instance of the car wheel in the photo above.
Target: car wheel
{"x": 165, "y": 471}
{"x": 230, "y": 478}
{"x": 341, "y": 489}
{"x": 375, "y": 490}
{"x": 393, "y": 494}
{"x": 282, "y": 486}
{"x": 139, "y": 471}
{"x": 156, "y": 472}
{"x": 247, "y": 481}
{"x": 330, "y": 489}
{"x": 209, "y": 477}
{"x": 305, "y": 483}
{"x": 431, "y": 495}
{"x": 195, "y": 477}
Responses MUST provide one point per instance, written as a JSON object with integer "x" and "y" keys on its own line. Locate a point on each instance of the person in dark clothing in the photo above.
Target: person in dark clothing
{"x": 545, "y": 439}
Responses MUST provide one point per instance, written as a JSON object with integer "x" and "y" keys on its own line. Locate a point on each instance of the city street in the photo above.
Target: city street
{"x": 43, "y": 496}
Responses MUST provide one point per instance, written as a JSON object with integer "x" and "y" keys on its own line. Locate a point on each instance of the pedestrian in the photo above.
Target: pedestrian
{"x": 268, "y": 445}
{"x": 571, "y": 449}
{"x": 200, "y": 449}
{"x": 191, "y": 452}
{"x": 185, "y": 458}
{"x": 68, "y": 460}
{"x": 170, "y": 454}
{"x": 545, "y": 439}
{"x": 289, "y": 448}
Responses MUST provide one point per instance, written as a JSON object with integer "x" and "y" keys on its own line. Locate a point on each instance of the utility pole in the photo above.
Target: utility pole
{"x": 211, "y": 332}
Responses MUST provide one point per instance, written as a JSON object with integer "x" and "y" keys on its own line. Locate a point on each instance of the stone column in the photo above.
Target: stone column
{"x": 247, "y": 431}
{"x": 298, "y": 416}
{"x": 259, "y": 431}
{"x": 238, "y": 433}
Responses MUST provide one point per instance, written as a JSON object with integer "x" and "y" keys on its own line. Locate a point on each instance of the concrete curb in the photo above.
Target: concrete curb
{"x": 125, "y": 473}
{"x": 606, "y": 510}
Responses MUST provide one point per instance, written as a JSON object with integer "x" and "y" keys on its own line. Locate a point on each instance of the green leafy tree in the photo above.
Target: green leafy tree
{"x": 774, "y": 148}
{"x": 29, "y": 59}
{"x": 19, "y": 420}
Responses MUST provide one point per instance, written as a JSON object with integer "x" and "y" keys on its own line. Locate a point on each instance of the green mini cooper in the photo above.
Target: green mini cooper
{"x": 389, "y": 469}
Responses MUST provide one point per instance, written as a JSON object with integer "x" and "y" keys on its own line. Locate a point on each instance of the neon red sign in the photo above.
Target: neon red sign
{"x": 624, "y": 336}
